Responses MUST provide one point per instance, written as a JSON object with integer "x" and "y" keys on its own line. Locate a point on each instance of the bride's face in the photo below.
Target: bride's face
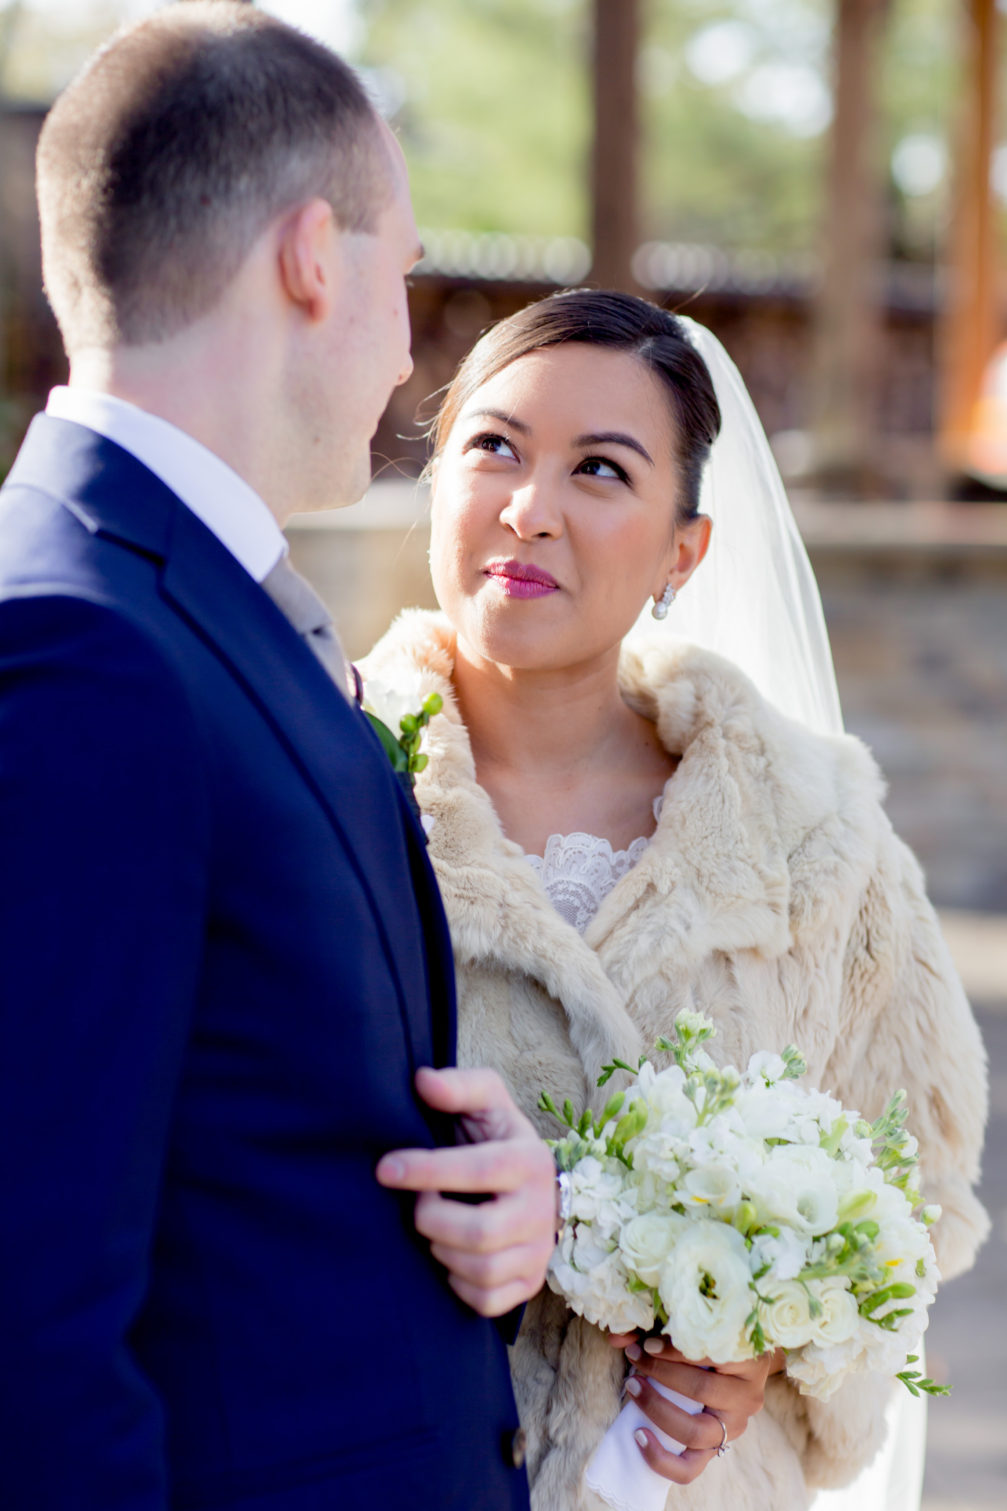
{"x": 554, "y": 508}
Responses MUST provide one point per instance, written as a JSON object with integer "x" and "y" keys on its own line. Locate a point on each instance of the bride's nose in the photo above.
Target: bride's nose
{"x": 531, "y": 513}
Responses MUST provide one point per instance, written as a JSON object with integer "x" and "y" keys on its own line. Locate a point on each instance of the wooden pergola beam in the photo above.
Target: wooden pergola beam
{"x": 614, "y": 171}
{"x": 848, "y": 323}
{"x": 971, "y": 319}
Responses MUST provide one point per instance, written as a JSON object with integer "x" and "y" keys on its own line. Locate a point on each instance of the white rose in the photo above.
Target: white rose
{"x": 647, "y": 1241}
{"x": 839, "y": 1317}
{"x": 786, "y": 1317}
{"x": 391, "y": 704}
{"x": 706, "y": 1290}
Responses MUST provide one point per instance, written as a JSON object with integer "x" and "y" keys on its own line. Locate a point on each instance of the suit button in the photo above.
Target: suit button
{"x": 518, "y": 1448}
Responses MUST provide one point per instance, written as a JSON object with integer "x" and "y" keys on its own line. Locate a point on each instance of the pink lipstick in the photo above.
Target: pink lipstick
{"x": 519, "y": 580}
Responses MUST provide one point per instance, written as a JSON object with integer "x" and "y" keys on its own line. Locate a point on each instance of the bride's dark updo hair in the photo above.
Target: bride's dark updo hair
{"x": 620, "y": 322}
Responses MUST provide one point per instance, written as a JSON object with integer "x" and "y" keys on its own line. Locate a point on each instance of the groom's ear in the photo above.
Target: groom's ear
{"x": 307, "y": 264}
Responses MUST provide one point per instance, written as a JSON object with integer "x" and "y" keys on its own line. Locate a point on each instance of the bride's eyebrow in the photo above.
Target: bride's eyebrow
{"x": 499, "y": 415}
{"x": 616, "y": 438}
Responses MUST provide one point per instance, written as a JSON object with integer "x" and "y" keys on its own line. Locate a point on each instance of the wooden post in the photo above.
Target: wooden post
{"x": 970, "y": 327}
{"x": 848, "y": 324}
{"x": 614, "y": 228}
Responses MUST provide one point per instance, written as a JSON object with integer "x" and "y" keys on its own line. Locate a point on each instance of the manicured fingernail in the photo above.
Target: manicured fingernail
{"x": 641, "y": 1437}
{"x": 654, "y": 1345}
{"x": 633, "y": 1352}
{"x": 633, "y": 1386}
{"x": 391, "y": 1169}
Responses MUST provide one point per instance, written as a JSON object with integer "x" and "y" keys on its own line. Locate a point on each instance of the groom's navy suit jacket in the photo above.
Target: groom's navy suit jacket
{"x": 222, "y": 956}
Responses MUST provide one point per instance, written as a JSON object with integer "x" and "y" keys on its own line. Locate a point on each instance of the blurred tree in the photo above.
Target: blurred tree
{"x": 493, "y": 100}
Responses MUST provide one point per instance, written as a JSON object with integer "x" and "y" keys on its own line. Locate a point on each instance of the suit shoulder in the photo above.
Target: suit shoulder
{"x": 71, "y": 661}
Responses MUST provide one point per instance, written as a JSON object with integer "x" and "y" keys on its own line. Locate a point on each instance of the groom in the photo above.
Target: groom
{"x": 224, "y": 958}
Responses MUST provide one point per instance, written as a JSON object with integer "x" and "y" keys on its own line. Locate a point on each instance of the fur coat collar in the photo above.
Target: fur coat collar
{"x": 760, "y": 821}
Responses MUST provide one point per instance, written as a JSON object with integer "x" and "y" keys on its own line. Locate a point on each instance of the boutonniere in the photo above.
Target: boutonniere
{"x": 385, "y": 707}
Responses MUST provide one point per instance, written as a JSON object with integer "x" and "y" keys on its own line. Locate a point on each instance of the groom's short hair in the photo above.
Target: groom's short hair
{"x": 177, "y": 145}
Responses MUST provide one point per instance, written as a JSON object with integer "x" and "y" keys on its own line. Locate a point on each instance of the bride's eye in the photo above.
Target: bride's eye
{"x": 601, "y": 466}
{"x": 493, "y": 444}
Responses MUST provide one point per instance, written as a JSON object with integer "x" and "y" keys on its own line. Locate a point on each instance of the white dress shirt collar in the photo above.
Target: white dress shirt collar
{"x": 207, "y": 485}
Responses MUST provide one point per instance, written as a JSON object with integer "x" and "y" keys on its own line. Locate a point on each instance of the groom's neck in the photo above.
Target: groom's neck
{"x": 211, "y": 380}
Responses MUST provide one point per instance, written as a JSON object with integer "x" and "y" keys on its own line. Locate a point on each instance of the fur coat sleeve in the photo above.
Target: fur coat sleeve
{"x": 908, "y": 1025}
{"x": 774, "y": 897}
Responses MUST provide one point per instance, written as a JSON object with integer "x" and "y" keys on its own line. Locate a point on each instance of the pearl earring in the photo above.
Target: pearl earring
{"x": 664, "y": 603}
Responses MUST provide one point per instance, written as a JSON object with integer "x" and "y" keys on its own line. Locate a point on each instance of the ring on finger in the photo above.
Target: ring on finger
{"x": 723, "y": 1445}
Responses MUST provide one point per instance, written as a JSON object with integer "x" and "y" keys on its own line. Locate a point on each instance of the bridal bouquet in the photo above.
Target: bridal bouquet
{"x": 738, "y": 1212}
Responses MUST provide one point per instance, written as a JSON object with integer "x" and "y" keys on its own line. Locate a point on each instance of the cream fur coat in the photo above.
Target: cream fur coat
{"x": 773, "y": 896}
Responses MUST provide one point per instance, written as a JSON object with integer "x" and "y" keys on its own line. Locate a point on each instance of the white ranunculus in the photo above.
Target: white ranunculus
{"x": 706, "y": 1290}
{"x": 647, "y": 1241}
{"x": 839, "y": 1318}
{"x": 786, "y": 1316}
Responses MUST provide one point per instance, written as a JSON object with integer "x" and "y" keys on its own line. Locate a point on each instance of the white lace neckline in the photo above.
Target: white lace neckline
{"x": 578, "y": 871}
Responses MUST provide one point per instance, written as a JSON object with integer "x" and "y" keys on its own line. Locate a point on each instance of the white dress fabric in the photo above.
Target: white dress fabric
{"x": 578, "y": 871}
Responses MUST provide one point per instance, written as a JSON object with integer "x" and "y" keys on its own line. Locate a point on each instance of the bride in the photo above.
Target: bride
{"x": 625, "y": 822}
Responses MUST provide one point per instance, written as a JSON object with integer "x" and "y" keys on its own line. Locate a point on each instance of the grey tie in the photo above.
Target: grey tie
{"x": 296, "y": 598}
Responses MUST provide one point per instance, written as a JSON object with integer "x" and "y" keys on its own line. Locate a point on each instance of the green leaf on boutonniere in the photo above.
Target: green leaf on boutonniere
{"x": 391, "y": 746}
{"x": 404, "y": 750}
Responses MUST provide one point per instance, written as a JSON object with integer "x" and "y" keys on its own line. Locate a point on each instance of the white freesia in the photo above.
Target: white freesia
{"x": 717, "y": 1186}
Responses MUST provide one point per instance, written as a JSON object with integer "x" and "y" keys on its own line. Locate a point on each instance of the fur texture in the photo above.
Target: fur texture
{"x": 773, "y": 896}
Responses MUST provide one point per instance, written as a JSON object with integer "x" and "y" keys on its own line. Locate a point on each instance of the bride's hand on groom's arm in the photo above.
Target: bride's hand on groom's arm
{"x": 495, "y": 1251}
{"x": 729, "y": 1393}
